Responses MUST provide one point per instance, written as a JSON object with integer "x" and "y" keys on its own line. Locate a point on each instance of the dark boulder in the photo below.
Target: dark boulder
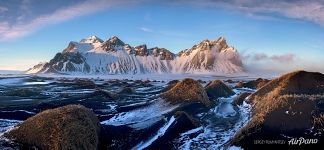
{"x": 84, "y": 83}
{"x": 217, "y": 88}
{"x": 240, "y": 98}
{"x": 105, "y": 94}
{"x": 170, "y": 85}
{"x": 254, "y": 84}
{"x": 187, "y": 91}
{"x": 126, "y": 90}
{"x": 69, "y": 127}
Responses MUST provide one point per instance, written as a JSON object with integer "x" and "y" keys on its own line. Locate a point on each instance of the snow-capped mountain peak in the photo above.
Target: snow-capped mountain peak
{"x": 113, "y": 56}
{"x": 114, "y": 40}
{"x": 37, "y": 68}
{"x": 91, "y": 40}
{"x": 112, "y": 44}
{"x": 210, "y": 56}
{"x": 79, "y": 47}
{"x": 208, "y": 45}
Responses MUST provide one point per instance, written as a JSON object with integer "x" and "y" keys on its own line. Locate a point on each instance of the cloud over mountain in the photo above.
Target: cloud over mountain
{"x": 281, "y": 58}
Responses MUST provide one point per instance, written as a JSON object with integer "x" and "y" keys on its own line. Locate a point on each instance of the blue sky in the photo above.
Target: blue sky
{"x": 271, "y": 36}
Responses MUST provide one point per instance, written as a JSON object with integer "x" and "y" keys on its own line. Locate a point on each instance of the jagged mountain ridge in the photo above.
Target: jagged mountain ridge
{"x": 95, "y": 56}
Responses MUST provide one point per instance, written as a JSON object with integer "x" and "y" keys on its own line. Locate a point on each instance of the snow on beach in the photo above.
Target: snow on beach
{"x": 143, "y": 117}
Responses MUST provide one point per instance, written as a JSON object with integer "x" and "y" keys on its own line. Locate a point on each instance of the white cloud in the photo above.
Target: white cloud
{"x": 12, "y": 31}
{"x": 145, "y": 29}
{"x": 257, "y": 62}
{"x": 262, "y": 57}
{"x": 298, "y": 9}
{"x": 3, "y": 9}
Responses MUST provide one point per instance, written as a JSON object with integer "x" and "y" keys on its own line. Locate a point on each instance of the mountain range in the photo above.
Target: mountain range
{"x": 95, "y": 56}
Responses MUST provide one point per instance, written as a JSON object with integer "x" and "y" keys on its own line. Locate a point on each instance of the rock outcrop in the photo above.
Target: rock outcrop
{"x": 240, "y": 98}
{"x": 126, "y": 90}
{"x": 170, "y": 85}
{"x": 254, "y": 84}
{"x": 217, "y": 88}
{"x": 69, "y": 127}
{"x": 187, "y": 91}
{"x": 289, "y": 106}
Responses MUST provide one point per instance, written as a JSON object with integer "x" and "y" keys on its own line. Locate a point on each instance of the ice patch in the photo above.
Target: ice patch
{"x": 22, "y": 100}
{"x": 111, "y": 108}
{"x": 25, "y": 111}
{"x": 225, "y": 110}
{"x": 215, "y": 137}
{"x": 6, "y": 125}
{"x": 235, "y": 148}
{"x": 143, "y": 117}
{"x": 160, "y": 133}
{"x": 135, "y": 104}
{"x": 192, "y": 131}
{"x": 81, "y": 91}
{"x": 142, "y": 89}
{"x": 244, "y": 89}
{"x": 37, "y": 83}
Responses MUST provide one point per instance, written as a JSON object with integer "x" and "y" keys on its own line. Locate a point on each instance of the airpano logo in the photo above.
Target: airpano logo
{"x": 301, "y": 141}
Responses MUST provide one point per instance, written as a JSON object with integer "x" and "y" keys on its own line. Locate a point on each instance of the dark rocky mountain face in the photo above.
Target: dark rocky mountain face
{"x": 163, "y": 53}
{"x": 141, "y": 50}
{"x": 206, "y": 45}
{"x": 67, "y": 61}
{"x": 70, "y": 47}
{"x": 129, "y": 49}
{"x": 115, "y": 41}
{"x": 111, "y": 44}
